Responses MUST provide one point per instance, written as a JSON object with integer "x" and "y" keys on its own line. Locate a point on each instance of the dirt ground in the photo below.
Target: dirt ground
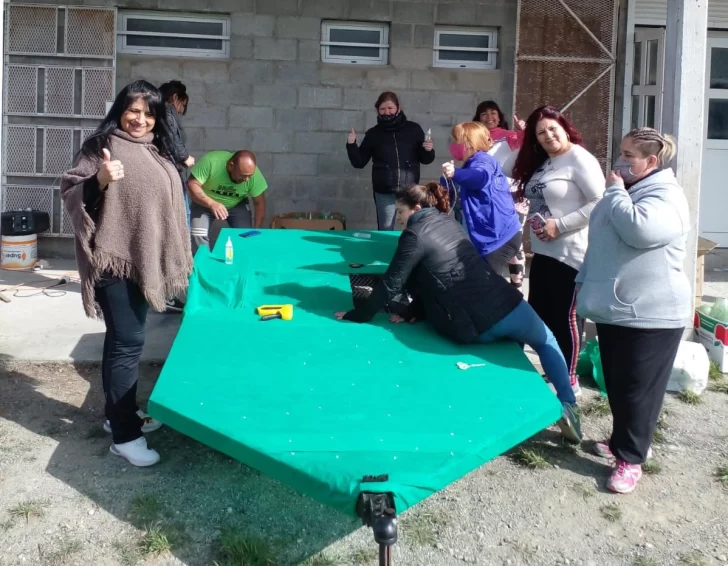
{"x": 65, "y": 500}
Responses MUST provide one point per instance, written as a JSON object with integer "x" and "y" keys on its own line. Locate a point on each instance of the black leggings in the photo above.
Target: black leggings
{"x": 125, "y": 314}
{"x": 637, "y": 363}
{"x": 498, "y": 259}
{"x": 552, "y": 296}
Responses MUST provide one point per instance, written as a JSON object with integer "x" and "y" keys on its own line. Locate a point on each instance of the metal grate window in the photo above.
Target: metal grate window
{"x": 90, "y": 32}
{"x": 98, "y": 87}
{"x": 85, "y": 133}
{"x": 465, "y": 48}
{"x": 57, "y": 150}
{"x": 355, "y": 43}
{"x": 59, "y": 91}
{"x": 21, "y": 197}
{"x": 21, "y": 88}
{"x": 32, "y": 30}
{"x": 174, "y": 35}
{"x": 20, "y": 150}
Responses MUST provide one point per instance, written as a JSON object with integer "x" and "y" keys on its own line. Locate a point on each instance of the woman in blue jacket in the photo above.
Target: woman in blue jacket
{"x": 485, "y": 197}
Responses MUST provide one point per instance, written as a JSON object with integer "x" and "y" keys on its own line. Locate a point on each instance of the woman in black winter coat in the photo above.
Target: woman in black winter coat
{"x": 174, "y": 94}
{"x": 458, "y": 293}
{"x": 396, "y": 147}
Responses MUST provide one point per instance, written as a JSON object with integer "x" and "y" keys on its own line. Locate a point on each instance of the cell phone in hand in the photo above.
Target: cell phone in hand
{"x": 536, "y": 221}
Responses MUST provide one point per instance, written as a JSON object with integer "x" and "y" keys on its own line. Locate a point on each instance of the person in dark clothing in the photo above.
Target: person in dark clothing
{"x": 396, "y": 147}
{"x": 176, "y": 100}
{"x": 459, "y": 294}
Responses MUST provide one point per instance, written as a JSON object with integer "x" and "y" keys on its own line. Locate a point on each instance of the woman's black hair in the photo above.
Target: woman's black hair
{"x": 170, "y": 88}
{"x": 491, "y": 105}
{"x": 130, "y": 93}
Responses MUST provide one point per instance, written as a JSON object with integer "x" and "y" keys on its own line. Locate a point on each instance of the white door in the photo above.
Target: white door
{"x": 647, "y": 74}
{"x": 714, "y": 184}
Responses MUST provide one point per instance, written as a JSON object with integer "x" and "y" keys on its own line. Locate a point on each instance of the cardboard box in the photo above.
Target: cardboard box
{"x": 713, "y": 334}
{"x": 704, "y": 246}
{"x": 309, "y": 221}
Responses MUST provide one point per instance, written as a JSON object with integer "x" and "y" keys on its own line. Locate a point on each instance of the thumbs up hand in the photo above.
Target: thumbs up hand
{"x": 352, "y": 136}
{"x": 109, "y": 171}
{"x": 518, "y": 124}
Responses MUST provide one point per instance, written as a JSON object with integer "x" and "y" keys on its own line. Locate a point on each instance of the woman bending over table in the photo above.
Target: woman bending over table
{"x": 459, "y": 294}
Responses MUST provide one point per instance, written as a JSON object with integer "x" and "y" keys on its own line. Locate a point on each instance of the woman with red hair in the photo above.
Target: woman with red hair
{"x": 563, "y": 183}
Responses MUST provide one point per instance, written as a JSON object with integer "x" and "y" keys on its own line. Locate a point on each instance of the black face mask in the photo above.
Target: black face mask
{"x": 386, "y": 118}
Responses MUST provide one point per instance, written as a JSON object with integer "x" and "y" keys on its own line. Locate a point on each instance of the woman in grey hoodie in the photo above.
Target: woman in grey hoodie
{"x": 632, "y": 285}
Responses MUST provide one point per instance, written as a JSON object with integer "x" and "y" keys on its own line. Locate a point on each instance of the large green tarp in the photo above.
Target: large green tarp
{"x": 317, "y": 403}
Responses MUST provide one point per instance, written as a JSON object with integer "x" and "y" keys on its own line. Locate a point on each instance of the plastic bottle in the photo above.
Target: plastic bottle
{"x": 428, "y": 137}
{"x": 720, "y": 310}
{"x": 229, "y": 252}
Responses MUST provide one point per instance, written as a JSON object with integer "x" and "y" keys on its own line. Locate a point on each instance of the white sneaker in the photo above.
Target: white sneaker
{"x": 150, "y": 424}
{"x": 136, "y": 452}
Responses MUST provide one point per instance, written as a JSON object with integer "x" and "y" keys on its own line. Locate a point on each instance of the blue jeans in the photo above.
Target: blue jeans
{"x": 524, "y": 326}
{"x": 386, "y": 210}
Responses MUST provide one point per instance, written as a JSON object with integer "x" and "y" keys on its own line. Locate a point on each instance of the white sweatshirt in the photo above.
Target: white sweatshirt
{"x": 566, "y": 188}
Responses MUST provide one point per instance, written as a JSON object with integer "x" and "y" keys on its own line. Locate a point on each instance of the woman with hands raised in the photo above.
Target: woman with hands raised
{"x": 125, "y": 200}
{"x": 396, "y": 147}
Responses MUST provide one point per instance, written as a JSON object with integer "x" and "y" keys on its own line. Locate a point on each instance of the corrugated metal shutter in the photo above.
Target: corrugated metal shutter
{"x": 654, "y": 13}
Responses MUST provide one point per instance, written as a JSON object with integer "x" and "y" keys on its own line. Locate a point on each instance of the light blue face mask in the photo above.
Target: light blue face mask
{"x": 624, "y": 168}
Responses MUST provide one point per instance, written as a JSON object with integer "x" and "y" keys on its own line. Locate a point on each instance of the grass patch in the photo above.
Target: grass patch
{"x": 422, "y": 528}
{"x": 599, "y": 407}
{"x": 714, "y": 373}
{"x": 66, "y": 549}
{"x": 689, "y": 397}
{"x": 693, "y": 559}
{"x": 646, "y": 561}
{"x": 611, "y": 512}
{"x": 28, "y": 510}
{"x": 156, "y": 540}
{"x": 651, "y": 468}
{"x": 585, "y": 490}
{"x": 6, "y": 525}
{"x": 145, "y": 509}
{"x": 234, "y": 548}
{"x": 659, "y": 437}
{"x": 531, "y": 458}
{"x": 128, "y": 552}
{"x": 720, "y": 386}
{"x": 364, "y": 556}
{"x": 721, "y": 476}
{"x": 320, "y": 559}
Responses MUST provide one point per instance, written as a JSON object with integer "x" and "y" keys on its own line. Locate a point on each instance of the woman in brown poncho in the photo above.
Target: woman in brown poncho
{"x": 126, "y": 201}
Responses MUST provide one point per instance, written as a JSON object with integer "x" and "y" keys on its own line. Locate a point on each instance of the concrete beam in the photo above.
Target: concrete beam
{"x": 685, "y": 51}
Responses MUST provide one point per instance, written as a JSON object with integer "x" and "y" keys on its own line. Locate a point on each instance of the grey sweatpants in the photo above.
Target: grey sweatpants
{"x": 202, "y": 218}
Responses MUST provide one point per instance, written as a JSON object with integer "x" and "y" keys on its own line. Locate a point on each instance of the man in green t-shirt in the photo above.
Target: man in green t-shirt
{"x": 220, "y": 184}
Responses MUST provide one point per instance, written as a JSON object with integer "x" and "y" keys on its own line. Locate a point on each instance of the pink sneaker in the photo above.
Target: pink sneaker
{"x": 602, "y": 450}
{"x": 624, "y": 478}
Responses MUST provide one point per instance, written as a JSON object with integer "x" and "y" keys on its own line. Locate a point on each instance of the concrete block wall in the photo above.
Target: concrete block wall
{"x": 275, "y": 96}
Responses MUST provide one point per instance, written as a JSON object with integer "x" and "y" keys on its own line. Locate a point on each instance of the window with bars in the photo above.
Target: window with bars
{"x": 465, "y": 48}
{"x": 354, "y": 43}
{"x": 174, "y": 35}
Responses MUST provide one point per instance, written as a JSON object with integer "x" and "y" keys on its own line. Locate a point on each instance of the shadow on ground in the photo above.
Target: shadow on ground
{"x": 196, "y": 493}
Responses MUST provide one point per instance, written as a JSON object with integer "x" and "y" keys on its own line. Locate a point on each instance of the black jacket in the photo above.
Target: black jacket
{"x": 179, "y": 139}
{"x": 396, "y": 152}
{"x": 453, "y": 287}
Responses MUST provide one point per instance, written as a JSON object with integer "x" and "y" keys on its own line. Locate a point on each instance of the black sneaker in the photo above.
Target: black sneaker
{"x": 174, "y": 306}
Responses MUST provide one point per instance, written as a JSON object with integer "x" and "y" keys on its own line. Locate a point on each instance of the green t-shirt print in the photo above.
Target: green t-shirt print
{"x": 211, "y": 172}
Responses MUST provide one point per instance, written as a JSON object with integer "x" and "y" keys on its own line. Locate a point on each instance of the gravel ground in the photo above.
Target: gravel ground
{"x": 65, "y": 500}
